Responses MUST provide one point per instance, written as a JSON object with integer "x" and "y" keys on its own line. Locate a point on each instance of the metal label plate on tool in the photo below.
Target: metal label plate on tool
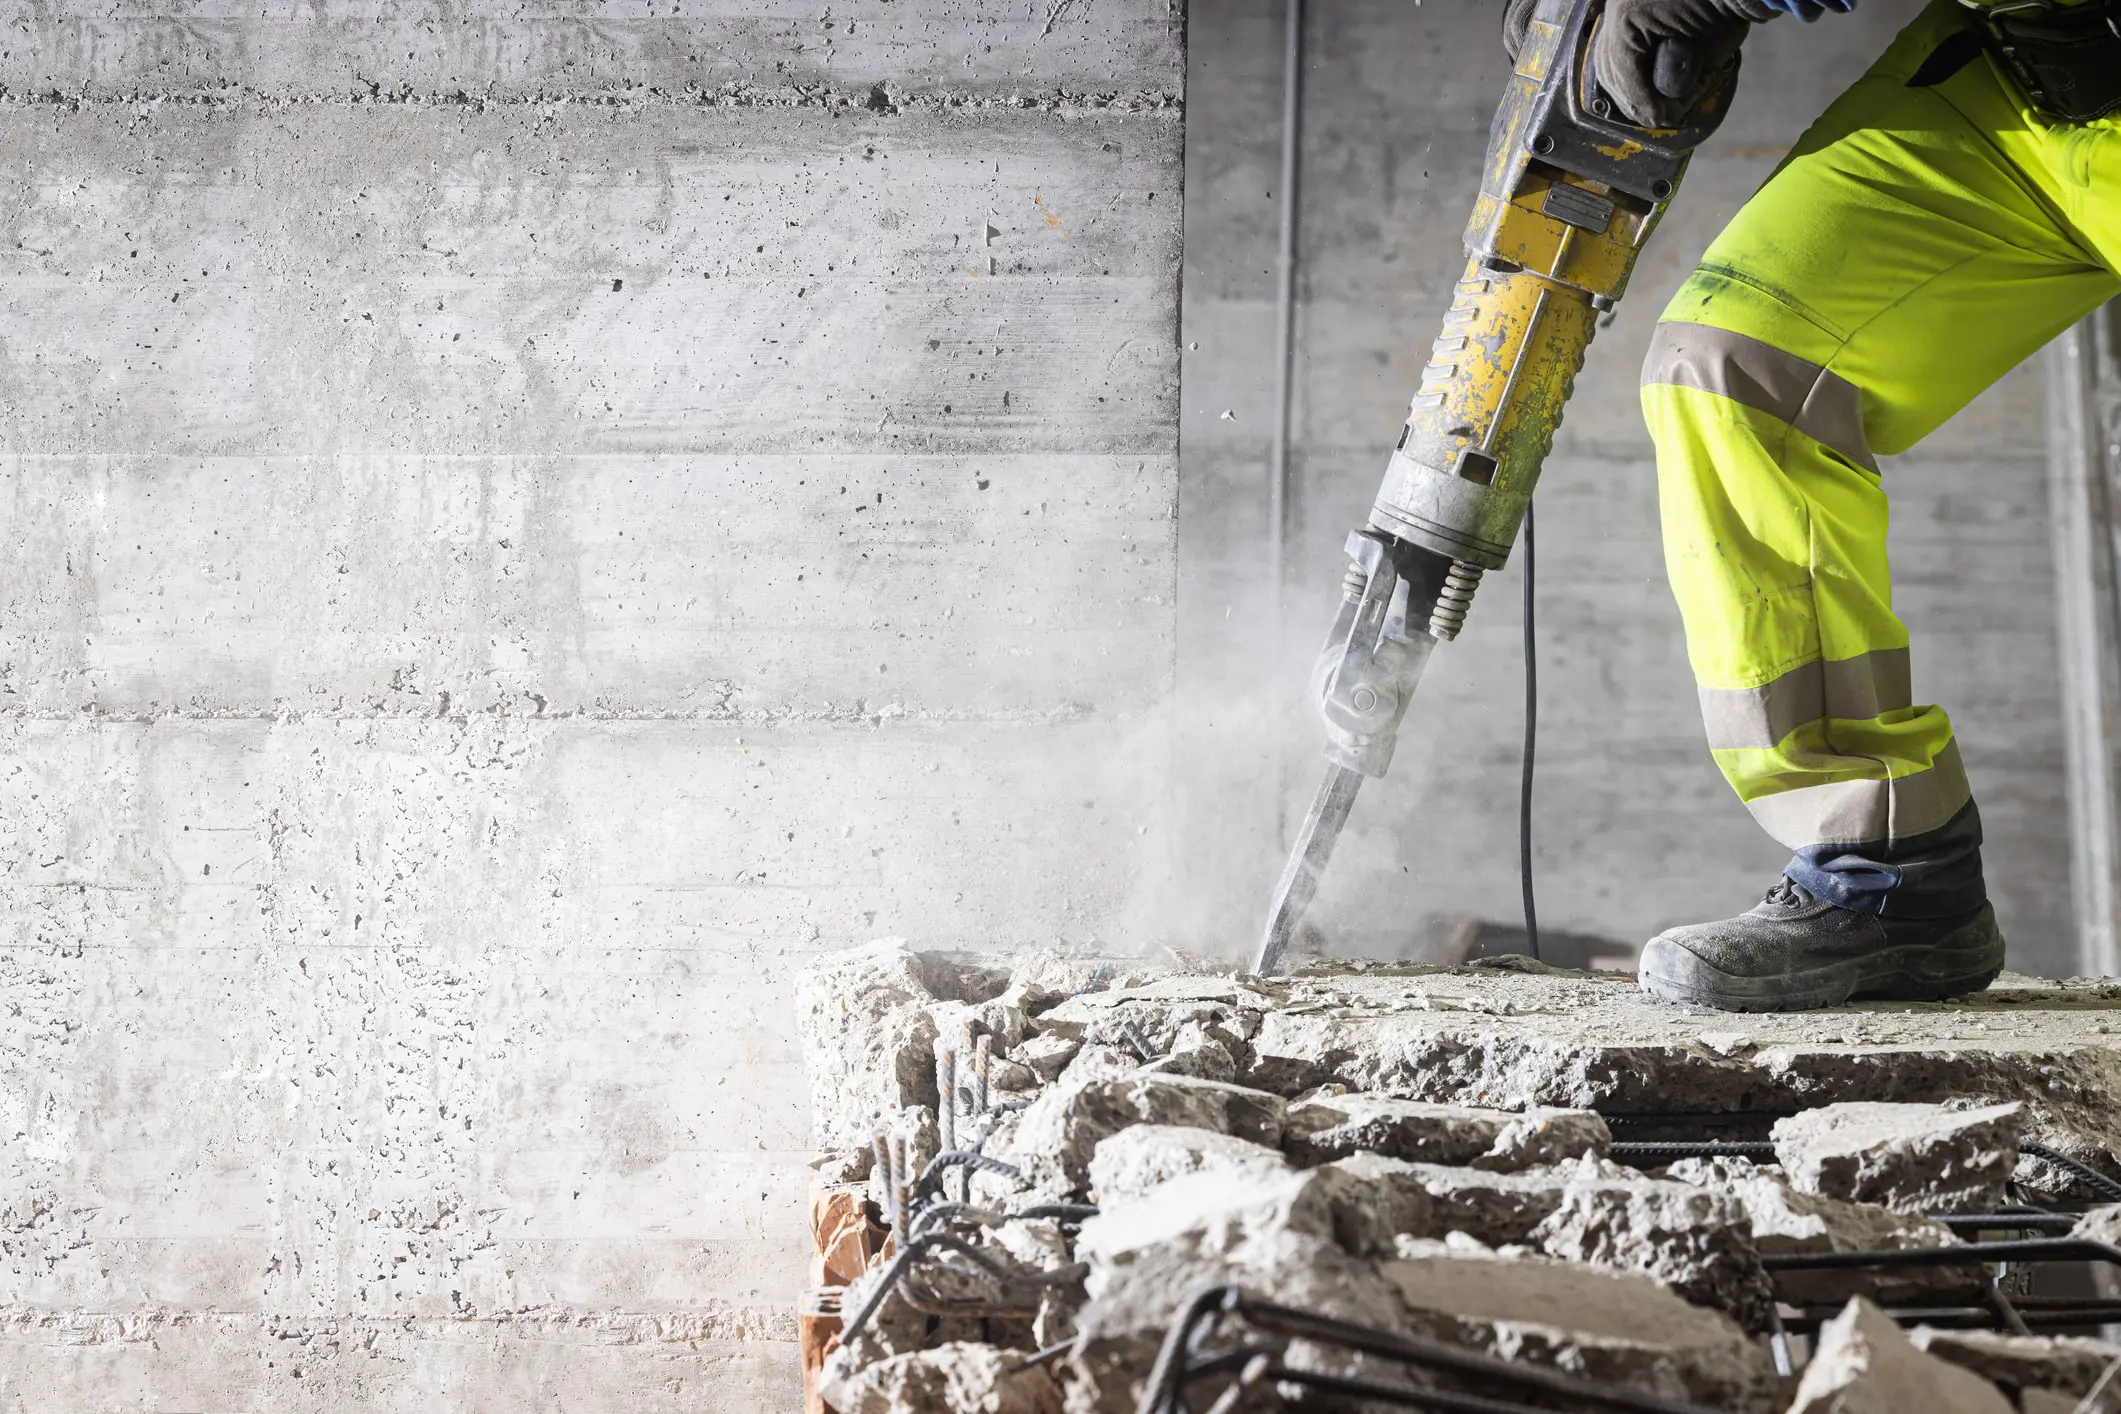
{"x": 1585, "y": 210}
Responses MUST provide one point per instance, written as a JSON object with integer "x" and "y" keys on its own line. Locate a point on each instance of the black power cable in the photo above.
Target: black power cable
{"x": 1531, "y": 739}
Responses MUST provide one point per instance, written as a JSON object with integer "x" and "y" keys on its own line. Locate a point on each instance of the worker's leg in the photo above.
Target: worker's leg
{"x": 1917, "y": 244}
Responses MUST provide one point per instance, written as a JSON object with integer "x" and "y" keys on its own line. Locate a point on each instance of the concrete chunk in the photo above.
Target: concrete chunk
{"x": 964, "y": 1377}
{"x": 2100, "y": 1225}
{"x": 1149, "y": 1255}
{"x": 1201, "y": 1052}
{"x": 1063, "y": 1127}
{"x": 1865, "y": 1364}
{"x": 1320, "y": 1130}
{"x": 1785, "y": 1221}
{"x": 2064, "y": 1365}
{"x": 1210, "y": 1215}
{"x": 1094, "y": 1062}
{"x": 1046, "y": 1054}
{"x": 1605, "y": 1325}
{"x": 868, "y": 1041}
{"x": 1695, "y": 1240}
{"x": 1912, "y": 1158}
{"x": 1377, "y": 1201}
{"x": 1137, "y": 1159}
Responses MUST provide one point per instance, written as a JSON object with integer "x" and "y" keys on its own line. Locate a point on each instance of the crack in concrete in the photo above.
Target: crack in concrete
{"x": 1056, "y": 11}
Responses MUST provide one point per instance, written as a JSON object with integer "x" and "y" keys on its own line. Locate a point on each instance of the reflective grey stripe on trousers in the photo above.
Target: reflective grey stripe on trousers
{"x": 1822, "y": 405}
{"x": 1867, "y": 812}
{"x": 1851, "y": 689}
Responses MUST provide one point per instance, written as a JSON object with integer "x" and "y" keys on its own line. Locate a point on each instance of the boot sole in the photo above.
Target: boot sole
{"x": 1965, "y": 961}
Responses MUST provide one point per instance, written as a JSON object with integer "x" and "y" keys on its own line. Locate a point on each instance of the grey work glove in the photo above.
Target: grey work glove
{"x": 1699, "y": 39}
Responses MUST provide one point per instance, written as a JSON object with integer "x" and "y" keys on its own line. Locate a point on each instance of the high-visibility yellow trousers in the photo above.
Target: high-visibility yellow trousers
{"x": 1917, "y": 244}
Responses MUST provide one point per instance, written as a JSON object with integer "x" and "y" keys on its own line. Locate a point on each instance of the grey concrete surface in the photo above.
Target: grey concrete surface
{"x": 524, "y": 525}
{"x": 1636, "y": 830}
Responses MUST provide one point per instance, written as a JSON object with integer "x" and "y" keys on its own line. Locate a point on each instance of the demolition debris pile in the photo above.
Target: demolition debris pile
{"x": 1068, "y": 1185}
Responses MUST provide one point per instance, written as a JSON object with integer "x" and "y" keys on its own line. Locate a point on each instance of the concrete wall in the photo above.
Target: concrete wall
{"x": 524, "y": 524}
{"x": 1636, "y": 830}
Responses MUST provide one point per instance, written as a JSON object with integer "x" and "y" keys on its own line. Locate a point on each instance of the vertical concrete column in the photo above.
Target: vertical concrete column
{"x": 2084, "y": 429}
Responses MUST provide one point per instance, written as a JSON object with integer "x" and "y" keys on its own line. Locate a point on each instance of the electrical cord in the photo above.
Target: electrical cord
{"x": 1531, "y": 739}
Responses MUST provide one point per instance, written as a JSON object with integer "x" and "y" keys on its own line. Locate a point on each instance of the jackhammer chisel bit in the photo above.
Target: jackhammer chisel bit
{"x": 1569, "y": 194}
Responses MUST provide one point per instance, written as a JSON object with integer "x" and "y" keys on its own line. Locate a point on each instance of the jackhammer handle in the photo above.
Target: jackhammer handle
{"x": 1677, "y": 72}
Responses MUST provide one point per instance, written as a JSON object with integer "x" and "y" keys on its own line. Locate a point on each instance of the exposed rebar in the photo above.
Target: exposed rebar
{"x": 969, "y": 1161}
{"x": 1664, "y": 1149}
{"x": 896, "y": 1270}
{"x": 946, "y": 1097}
{"x": 2084, "y": 1173}
{"x": 1181, "y": 1359}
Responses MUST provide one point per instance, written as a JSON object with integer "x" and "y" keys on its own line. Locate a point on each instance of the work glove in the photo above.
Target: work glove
{"x": 1698, "y": 37}
{"x": 1657, "y": 59}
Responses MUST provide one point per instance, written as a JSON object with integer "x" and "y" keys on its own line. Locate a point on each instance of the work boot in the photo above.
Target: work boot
{"x": 1794, "y": 952}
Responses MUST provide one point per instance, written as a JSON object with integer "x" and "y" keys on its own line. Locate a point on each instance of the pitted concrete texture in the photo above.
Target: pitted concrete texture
{"x": 525, "y": 525}
{"x": 769, "y": 53}
{"x": 172, "y": 1358}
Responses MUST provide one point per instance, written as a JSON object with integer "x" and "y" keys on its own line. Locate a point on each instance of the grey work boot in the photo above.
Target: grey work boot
{"x": 1794, "y": 952}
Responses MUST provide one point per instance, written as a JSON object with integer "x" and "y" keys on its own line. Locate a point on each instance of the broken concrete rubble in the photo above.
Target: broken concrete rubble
{"x": 2047, "y": 1401}
{"x": 1299, "y": 1137}
{"x": 1785, "y": 1222}
{"x": 867, "y": 1034}
{"x": 1045, "y": 1055}
{"x": 2069, "y": 1366}
{"x": 1912, "y": 1158}
{"x": 1513, "y": 1041}
{"x": 1695, "y": 1240}
{"x": 1516, "y": 1041}
{"x": 1205, "y": 1216}
{"x": 1325, "y": 1128}
{"x": 2100, "y": 1225}
{"x": 963, "y": 1377}
{"x": 1132, "y": 1162}
{"x": 1604, "y": 1325}
{"x": 1865, "y": 1364}
{"x": 1379, "y": 1200}
{"x": 1149, "y": 1255}
{"x": 1093, "y": 1062}
{"x": 1058, "y": 1134}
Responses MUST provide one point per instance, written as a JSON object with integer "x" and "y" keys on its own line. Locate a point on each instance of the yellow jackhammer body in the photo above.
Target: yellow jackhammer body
{"x": 1569, "y": 194}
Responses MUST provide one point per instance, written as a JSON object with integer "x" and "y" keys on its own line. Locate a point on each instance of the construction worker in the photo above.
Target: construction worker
{"x": 1947, "y": 216}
